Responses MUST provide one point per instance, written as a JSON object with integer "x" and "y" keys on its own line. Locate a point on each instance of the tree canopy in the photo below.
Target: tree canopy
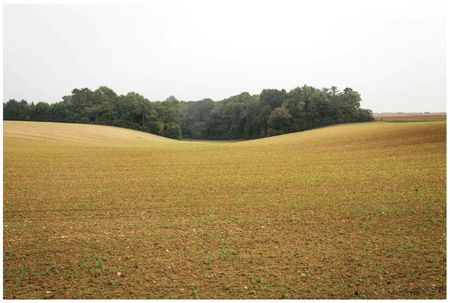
{"x": 243, "y": 116}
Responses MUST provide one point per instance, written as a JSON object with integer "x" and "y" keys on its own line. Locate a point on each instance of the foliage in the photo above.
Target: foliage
{"x": 243, "y": 116}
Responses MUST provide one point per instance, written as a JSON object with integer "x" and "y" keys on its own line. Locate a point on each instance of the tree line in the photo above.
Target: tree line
{"x": 243, "y": 116}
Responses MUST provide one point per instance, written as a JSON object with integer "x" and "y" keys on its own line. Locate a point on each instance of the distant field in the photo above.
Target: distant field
{"x": 349, "y": 211}
{"x": 411, "y": 117}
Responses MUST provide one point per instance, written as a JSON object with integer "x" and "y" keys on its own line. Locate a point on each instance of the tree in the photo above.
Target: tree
{"x": 41, "y": 112}
{"x": 273, "y": 97}
{"x": 14, "y": 110}
{"x": 243, "y": 116}
{"x": 350, "y": 101}
{"x": 172, "y": 130}
{"x": 280, "y": 121}
{"x": 193, "y": 117}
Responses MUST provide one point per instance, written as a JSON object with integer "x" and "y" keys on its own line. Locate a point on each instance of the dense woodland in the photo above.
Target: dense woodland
{"x": 243, "y": 116}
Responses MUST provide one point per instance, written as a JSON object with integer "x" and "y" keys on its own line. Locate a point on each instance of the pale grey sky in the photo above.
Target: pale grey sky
{"x": 392, "y": 52}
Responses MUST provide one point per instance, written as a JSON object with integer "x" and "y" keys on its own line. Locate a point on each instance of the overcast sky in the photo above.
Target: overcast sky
{"x": 392, "y": 52}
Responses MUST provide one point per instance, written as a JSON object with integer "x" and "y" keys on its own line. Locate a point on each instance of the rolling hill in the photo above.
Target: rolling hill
{"x": 348, "y": 211}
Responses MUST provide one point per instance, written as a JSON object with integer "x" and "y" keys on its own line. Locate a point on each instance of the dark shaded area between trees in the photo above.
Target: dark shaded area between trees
{"x": 244, "y": 116}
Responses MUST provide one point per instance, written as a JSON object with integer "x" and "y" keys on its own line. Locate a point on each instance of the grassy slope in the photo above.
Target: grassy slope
{"x": 349, "y": 211}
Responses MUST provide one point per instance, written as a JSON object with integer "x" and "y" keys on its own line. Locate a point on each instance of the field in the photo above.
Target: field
{"x": 411, "y": 117}
{"x": 348, "y": 211}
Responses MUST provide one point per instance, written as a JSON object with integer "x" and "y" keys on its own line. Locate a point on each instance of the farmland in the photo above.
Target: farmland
{"x": 348, "y": 211}
{"x": 410, "y": 117}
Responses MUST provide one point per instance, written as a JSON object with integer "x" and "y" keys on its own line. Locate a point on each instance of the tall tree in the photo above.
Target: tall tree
{"x": 243, "y": 116}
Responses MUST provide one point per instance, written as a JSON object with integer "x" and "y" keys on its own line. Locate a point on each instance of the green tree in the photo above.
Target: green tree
{"x": 280, "y": 121}
{"x": 14, "y": 110}
{"x": 243, "y": 116}
{"x": 41, "y": 112}
{"x": 273, "y": 97}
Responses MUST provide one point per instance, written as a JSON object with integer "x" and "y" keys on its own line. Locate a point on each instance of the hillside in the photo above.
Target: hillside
{"x": 72, "y": 133}
{"x": 96, "y": 211}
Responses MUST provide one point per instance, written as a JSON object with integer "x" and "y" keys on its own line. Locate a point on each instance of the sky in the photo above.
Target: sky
{"x": 392, "y": 52}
